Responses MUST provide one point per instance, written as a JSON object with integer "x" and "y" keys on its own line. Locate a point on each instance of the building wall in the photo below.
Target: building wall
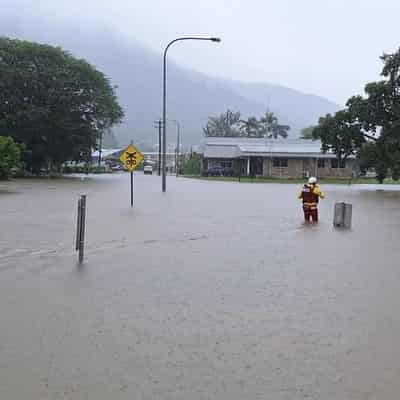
{"x": 297, "y": 168}
{"x": 302, "y": 168}
{"x": 328, "y": 171}
{"x": 214, "y": 162}
{"x": 236, "y": 164}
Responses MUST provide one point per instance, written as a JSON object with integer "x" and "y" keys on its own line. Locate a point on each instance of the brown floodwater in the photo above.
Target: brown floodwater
{"x": 213, "y": 290}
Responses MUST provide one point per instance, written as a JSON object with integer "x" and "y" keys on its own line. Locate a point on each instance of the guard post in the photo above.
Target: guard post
{"x": 80, "y": 228}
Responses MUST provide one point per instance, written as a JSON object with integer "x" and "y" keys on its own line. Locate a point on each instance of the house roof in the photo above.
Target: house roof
{"x": 115, "y": 153}
{"x": 221, "y": 147}
{"x": 106, "y": 152}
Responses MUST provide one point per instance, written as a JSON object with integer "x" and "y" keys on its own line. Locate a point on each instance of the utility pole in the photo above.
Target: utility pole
{"x": 158, "y": 125}
{"x": 178, "y": 144}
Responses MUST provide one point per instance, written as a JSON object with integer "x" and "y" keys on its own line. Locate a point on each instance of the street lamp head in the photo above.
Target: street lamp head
{"x": 215, "y": 39}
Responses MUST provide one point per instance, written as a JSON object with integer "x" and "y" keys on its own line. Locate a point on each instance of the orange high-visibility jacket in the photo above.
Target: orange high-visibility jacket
{"x": 310, "y": 195}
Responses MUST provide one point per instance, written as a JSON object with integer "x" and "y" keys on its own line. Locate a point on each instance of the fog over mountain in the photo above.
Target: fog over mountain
{"x": 192, "y": 96}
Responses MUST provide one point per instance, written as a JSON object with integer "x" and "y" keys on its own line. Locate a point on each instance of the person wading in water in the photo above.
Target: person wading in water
{"x": 310, "y": 194}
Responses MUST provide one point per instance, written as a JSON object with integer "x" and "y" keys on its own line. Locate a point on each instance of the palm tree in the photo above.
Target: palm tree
{"x": 271, "y": 128}
{"x": 229, "y": 124}
{"x": 225, "y": 125}
{"x": 280, "y": 130}
{"x": 250, "y": 128}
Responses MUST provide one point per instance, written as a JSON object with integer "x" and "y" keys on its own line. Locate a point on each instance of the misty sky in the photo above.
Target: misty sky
{"x": 325, "y": 47}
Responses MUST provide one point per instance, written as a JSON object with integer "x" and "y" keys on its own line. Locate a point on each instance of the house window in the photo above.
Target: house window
{"x": 226, "y": 164}
{"x": 321, "y": 163}
{"x": 280, "y": 162}
{"x": 335, "y": 163}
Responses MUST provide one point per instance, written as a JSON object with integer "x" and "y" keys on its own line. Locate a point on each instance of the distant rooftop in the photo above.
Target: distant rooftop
{"x": 105, "y": 153}
{"x": 222, "y": 147}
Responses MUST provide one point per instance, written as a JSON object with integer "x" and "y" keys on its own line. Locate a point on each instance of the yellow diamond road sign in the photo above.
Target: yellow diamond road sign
{"x": 131, "y": 158}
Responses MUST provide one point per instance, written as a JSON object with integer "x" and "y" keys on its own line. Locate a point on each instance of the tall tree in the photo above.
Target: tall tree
{"x": 339, "y": 134}
{"x": 109, "y": 140}
{"x": 225, "y": 125}
{"x": 229, "y": 124}
{"x": 270, "y": 127}
{"x": 250, "y": 127}
{"x": 377, "y": 156}
{"x": 307, "y": 133}
{"x": 54, "y": 103}
{"x": 372, "y": 123}
{"x": 10, "y": 154}
{"x": 279, "y": 130}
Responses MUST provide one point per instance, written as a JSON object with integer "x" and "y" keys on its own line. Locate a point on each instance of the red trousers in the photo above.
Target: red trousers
{"x": 310, "y": 214}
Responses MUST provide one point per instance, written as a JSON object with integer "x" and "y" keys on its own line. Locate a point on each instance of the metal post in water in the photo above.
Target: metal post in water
{"x": 78, "y": 226}
{"x": 338, "y": 215}
{"x": 82, "y": 227}
{"x": 348, "y": 213}
{"x": 342, "y": 215}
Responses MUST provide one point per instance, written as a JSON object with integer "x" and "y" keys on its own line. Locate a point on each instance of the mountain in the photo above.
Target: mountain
{"x": 295, "y": 108}
{"x": 192, "y": 96}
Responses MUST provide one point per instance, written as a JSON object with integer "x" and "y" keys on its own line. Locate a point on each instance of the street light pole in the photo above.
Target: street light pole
{"x": 178, "y": 135}
{"x": 158, "y": 125}
{"x": 178, "y": 143}
{"x": 164, "y": 144}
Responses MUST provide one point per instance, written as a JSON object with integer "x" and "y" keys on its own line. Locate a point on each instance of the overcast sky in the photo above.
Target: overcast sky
{"x": 325, "y": 47}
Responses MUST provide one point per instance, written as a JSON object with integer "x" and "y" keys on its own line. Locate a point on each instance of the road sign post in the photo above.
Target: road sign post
{"x": 131, "y": 158}
{"x": 131, "y": 189}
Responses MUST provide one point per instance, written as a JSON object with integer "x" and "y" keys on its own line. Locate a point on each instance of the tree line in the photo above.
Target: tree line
{"x": 54, "y": 106}
{"x": 230, "y": 124}
{"x": 369, "y": 125}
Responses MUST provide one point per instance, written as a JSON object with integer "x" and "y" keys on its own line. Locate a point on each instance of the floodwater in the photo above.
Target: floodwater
{"x": 213, "y": 290}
